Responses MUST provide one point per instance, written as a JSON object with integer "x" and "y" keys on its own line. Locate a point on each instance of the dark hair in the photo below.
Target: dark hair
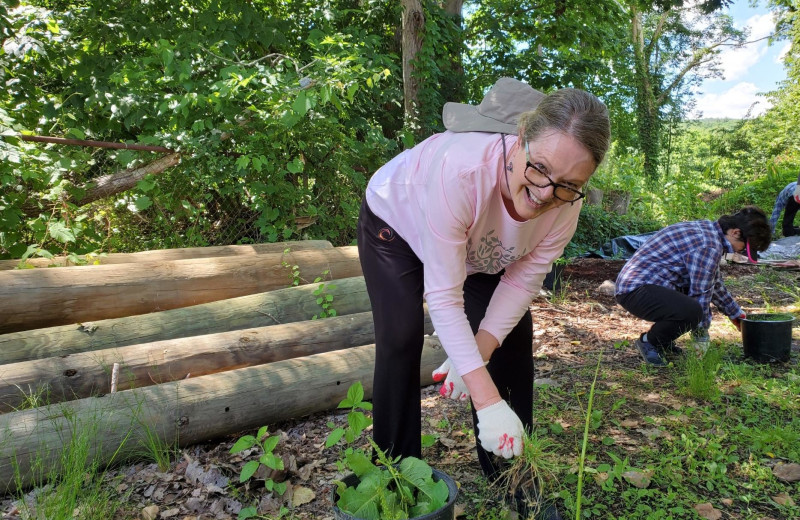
{"x": 574, "y": 112}
{"x": 753, "y": 224}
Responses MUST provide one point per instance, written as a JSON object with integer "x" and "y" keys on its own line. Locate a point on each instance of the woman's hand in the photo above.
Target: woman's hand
{"x": 453, "y": 387}
{"x": 500, "y": 430}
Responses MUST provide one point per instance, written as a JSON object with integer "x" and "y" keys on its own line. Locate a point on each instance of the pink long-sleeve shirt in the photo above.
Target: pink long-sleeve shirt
{"x": 443, "y": 197}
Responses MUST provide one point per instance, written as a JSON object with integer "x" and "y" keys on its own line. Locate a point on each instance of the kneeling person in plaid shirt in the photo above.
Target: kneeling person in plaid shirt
{"x": 673, "y": 278}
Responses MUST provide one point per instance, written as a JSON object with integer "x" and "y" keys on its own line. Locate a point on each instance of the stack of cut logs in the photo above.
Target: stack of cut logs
{"x": 202, "y": 343}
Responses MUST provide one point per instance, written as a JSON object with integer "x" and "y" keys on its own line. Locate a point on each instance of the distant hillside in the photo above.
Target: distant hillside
{"x": 713, "y": 122}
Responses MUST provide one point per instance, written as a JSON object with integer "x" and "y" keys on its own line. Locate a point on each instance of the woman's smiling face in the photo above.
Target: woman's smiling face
{"x": 561, "y": 157}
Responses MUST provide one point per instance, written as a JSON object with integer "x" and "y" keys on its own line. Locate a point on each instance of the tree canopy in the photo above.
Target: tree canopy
{"x": 271, "y": 115}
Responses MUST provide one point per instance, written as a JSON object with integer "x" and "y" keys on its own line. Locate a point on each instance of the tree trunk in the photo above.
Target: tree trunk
{"x": 185, "y": 253}
{"x": 257, "y": 310}
{"x": 647, "y": 120}
{"x": 78, "y": 294}
{"x": 413, "y": 28}
{"x": 75, "y": 376}
{"x": 186, "y": 412}
{"x": 453, "y": 82}
{"x": 453, "y": 7}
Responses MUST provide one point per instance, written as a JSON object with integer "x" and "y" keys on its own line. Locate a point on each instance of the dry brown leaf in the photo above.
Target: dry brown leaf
{"x": 150, "y": 512}
{"x": 629, "y": 423}
{"x": 302, "y": 495}
{"x": 708, "y": 512}
{"x": 637, "y": 478}
{"x": 651, "y": 433}
{"x": 783, "y": 499}
{"x": 787, "y": 472}
{"x": 728, "y": 502}
{"x": 448, "y": 442}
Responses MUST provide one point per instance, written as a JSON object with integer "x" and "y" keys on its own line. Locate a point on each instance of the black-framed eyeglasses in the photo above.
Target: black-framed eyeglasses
{"x": 560, "y": 191}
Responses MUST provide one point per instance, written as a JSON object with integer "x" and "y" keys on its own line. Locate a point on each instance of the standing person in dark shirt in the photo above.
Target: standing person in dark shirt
{"x": 674, "y": 277}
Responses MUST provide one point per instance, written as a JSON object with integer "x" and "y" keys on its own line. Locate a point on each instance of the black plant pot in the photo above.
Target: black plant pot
{"x": 446, "y": 512}
{"x": 767, "y": 337}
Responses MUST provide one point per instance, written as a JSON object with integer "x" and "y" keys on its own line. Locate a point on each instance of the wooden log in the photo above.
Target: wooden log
{"x": 185, "y": 412}
{"x": 185, "y": 253}
{"x": 257, "y": 310}
{"x": 34, "y": 298}
{"x": 74, "y": 376}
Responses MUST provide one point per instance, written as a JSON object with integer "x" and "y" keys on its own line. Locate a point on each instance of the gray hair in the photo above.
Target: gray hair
{"x": 573, "y": 112}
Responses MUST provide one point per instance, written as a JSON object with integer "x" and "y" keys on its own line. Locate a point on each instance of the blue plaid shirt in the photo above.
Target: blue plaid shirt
{"x": 780, "y": 203}
{"x": 684, "y": 257}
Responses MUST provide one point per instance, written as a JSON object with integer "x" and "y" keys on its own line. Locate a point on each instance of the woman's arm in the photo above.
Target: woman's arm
{"x": 481, "y": 387}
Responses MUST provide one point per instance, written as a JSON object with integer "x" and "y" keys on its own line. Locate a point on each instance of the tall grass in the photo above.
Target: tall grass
{"x": 698, "y": 374}
{"x": 73, "y": 485}
{"x": 585, "y": 442}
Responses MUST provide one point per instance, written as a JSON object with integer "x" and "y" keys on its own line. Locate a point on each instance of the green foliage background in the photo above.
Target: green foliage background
{"x": 282, "y": 109}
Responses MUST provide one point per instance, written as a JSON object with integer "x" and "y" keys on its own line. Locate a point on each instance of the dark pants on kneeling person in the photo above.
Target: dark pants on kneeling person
{"x": 672, "y": 312}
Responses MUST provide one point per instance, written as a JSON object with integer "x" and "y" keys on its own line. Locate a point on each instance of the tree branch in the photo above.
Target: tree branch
{"x": 108, "y": 185}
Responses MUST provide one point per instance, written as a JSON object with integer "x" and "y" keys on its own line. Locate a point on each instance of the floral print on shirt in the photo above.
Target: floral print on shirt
{"x": 489, "y": 256}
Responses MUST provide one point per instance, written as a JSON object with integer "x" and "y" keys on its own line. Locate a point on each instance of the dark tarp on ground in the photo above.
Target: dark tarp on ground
{"x": 620, "y": 248}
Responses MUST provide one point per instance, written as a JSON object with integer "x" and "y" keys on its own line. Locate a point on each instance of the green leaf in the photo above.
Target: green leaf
{"x": 242, "y": 162}
{"x": 358, "y": 421}
{"x": 143, "y": 202}
{"x": 334, "y": 437}
{"x": 359, "y": 463}
{"x": 355, "y": 394}
{"x": 351, "y": 92}
{"x": 146, "y": 184}
{"x": 247, "y": 512}
{"x": 248, "y": 470}
{"x": 61, "y": 232}
{"x": 271, "y": 461}
{"x": 77, "y": 133}
{"x": 244, "y": 443}
{"x": 270, "y": 443}
{"x": 360, "y": 503}
{"x": 295, "y": 166}
{"x": 301, "y": 104}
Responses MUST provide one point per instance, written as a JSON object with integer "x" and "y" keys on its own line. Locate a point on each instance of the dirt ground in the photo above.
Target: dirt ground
{"x": 570, "y": 329}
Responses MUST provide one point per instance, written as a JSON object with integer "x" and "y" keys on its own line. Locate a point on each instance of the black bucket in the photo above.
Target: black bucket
{"x": 767, "y": 337}
{"x": 446, "y": 512}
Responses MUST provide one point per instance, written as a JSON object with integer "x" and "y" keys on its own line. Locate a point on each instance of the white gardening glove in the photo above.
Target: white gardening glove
{"x": 797, "y": 193}
{"x": 501, "y": 430}
{"x": 453, "y": 387}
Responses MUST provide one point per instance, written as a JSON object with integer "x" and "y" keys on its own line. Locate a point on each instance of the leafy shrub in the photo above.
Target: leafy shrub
{"x": 760, "y": 192}
{"x": 395, "y": 490}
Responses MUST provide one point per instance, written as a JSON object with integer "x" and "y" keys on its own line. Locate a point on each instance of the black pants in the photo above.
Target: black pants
{"x": 789, "y": 213}
{"x": 673, "y": 312}
{"x": 394, "y": 278}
